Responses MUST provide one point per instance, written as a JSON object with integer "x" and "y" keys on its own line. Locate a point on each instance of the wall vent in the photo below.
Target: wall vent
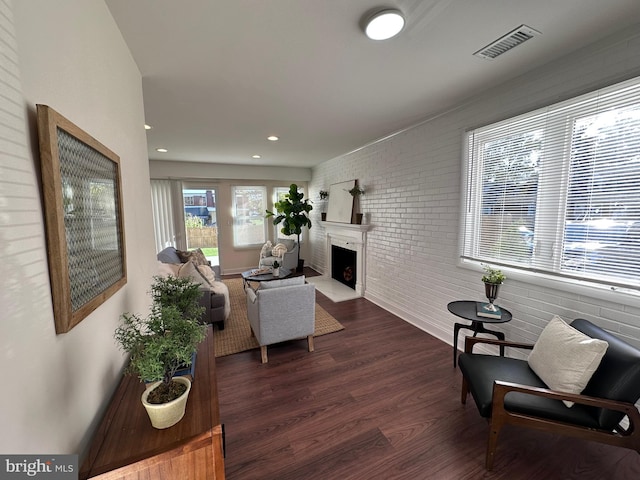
{"x": 507, "y": 42}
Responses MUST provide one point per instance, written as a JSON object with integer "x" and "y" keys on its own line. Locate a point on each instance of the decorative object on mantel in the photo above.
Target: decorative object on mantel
{"x": 492, "y": 279}
{"x": 323, "y": 194}
{"x": 293, "y": 213}
{"x": 340, "y": 202}
{"x": 355, "y": 192}
{"x": 163, "y": 343}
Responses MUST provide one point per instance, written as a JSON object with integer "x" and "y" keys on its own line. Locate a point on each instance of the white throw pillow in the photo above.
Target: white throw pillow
{"x": 168, "y": 269}
{"x": 190, "y": 271}
{"x": 265, "y": 251}
{"x": 565, "y": 358}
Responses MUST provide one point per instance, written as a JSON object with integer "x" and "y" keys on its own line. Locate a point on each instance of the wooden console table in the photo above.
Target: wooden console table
{"x": 127, "y": 446}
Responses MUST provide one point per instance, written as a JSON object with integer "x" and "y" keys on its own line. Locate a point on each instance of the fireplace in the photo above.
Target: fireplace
{"x": 346, "y": 254}
{"x": 344, "y": 266}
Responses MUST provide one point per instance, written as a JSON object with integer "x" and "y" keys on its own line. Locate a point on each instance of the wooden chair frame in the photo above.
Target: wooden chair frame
{"x": 500, "y": 416}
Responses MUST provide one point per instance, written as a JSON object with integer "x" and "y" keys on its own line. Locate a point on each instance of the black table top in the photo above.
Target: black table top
{"x": 265, "y": 277}
{"x": 467, "y": 309}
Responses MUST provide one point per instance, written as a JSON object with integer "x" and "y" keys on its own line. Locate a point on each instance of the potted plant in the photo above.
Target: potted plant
{"x": 492, "y": 278}
{"x": 161, "y": 344}
{"x": 355, "y": 192}
{"x": 323, "y": 196}
{"x": 293, "y": 213}
{"x": 276, "y": 269}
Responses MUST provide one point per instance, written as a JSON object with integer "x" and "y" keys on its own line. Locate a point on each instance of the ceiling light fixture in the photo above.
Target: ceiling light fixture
{"x": 384, "y": 24}
{"x": 147, "y": 127}
{"x": 162, "y": 150}
{"x": 273, "y": 138}
{"x": 256, "y": 156}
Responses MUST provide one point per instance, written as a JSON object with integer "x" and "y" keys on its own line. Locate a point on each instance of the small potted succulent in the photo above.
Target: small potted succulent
{"x": 323, "y": 196}
{"x": 276, "y": 269}
{"x": 492, "y": 278}
{"x": 355, "y": 192}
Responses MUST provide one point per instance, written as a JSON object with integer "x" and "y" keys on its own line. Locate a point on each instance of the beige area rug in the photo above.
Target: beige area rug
{"x": 236, "y": 336}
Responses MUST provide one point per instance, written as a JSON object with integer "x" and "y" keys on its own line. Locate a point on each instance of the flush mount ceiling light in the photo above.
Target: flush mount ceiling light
{"x": 273, "y": 138}
{"x": 162, "y": 150}
{"x": 384, "y": 24}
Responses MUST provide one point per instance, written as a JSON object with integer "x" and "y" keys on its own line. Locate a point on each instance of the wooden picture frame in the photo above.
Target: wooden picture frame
{"x": 340, "y": 202}
{"x": 82, "y": 200}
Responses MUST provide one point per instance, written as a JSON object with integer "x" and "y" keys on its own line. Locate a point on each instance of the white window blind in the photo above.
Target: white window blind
{"x": 557, "y": 190}
{"x": 249, "y": 226}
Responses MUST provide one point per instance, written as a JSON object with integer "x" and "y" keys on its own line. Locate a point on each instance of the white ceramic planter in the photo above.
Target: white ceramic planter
{"x": 165, "y": 415}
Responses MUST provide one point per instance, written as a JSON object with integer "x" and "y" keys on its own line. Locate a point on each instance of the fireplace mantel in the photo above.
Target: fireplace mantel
{"x": 352, "y": 237}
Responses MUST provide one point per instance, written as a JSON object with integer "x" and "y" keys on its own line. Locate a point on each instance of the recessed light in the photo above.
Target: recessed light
{"x": 384, "y": 24}
{"x": 147, "y": 127}
{"x": 162, "y": 150}
{"x": 273, "y": 138}
{"x": 256, "y": 156}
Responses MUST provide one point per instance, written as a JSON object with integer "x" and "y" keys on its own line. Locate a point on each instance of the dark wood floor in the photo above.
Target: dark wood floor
{"x": 379, "y": 400}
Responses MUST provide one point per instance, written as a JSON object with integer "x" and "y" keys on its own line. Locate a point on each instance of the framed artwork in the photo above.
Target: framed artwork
{"x": 82, "y": 197}
{"x": 340, "y": 202}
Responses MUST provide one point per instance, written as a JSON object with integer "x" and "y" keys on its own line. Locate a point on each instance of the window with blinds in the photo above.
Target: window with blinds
{"x": 557, "y": 190}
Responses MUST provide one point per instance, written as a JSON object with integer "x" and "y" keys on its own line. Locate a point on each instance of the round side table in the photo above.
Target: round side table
{"x": 467, "y": 309}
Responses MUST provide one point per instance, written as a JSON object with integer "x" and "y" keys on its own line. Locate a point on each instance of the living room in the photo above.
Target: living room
{"x": 413, "y": 179}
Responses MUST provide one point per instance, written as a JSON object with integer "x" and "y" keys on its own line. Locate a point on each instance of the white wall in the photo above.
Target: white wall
{"x": 69, "y": 55}
{"x": 412, "y": 182}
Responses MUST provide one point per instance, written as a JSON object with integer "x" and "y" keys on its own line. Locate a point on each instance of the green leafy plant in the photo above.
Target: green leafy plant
{"x": 356, "y": 191}
{"x": 166, "y": 339}
{"x": 276, "y": 264}
{"x": 191, "y": 221}
{"x": 293, "y": 212}
{"x": 323, "y": 194}
{"x": 493, "y": 275}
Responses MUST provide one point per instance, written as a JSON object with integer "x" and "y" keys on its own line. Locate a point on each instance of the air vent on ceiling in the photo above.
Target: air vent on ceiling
{"x": 507, "y": 42}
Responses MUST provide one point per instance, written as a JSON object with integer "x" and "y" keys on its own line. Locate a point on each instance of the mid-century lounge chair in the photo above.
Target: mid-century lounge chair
{"x": 507, "y": 391}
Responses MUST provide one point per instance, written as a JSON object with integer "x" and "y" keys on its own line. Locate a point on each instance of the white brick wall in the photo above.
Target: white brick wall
{"x": 413, "y": 180}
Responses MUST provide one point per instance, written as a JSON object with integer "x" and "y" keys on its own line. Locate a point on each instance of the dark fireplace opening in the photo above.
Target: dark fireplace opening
{"x": 343, "y": 266}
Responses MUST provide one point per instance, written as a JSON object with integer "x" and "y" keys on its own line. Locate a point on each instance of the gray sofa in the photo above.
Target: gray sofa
{"x": 213, "y": 303}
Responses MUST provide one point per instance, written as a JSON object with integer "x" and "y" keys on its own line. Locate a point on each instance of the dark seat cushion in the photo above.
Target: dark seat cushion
{"x": 481, "y": 371}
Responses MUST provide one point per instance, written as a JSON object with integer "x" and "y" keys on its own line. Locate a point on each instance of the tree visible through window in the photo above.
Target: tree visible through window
{"x": 558, "y": 189}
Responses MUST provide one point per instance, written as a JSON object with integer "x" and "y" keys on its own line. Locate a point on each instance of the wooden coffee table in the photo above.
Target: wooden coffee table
{"x": 249, "y": 276}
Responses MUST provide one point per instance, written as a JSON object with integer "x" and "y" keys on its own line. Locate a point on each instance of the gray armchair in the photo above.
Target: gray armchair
{"x": 289, "y": 258}
{"x": 282, "y": 310}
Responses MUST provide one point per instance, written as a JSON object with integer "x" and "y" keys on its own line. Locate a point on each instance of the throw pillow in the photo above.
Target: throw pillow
{"x": 565, "y": 358}
{"x": 196, "y": 256}
{"x": 167, "y": 269}
{"x": 189, "y": 270}
{"x": 266, "y": 249}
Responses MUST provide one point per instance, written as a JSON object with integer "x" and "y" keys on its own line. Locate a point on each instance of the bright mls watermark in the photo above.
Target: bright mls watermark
{"x": 49, "y": 467}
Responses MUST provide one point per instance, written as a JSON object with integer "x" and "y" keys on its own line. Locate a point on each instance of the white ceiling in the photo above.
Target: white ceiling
{"x": 219, "y": 76}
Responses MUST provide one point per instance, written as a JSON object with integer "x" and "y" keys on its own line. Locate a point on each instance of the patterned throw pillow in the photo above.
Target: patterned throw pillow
{"x": 195, "y": 256}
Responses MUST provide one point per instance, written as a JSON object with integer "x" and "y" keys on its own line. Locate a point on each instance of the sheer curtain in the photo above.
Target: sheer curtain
{"x": 168, "y": 214}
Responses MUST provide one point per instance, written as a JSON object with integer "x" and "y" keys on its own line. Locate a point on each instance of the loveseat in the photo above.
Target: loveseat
{"x": 215, "y": 294}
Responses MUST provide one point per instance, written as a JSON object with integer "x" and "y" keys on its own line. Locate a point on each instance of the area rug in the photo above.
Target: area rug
{"x": 236, "y": 336}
